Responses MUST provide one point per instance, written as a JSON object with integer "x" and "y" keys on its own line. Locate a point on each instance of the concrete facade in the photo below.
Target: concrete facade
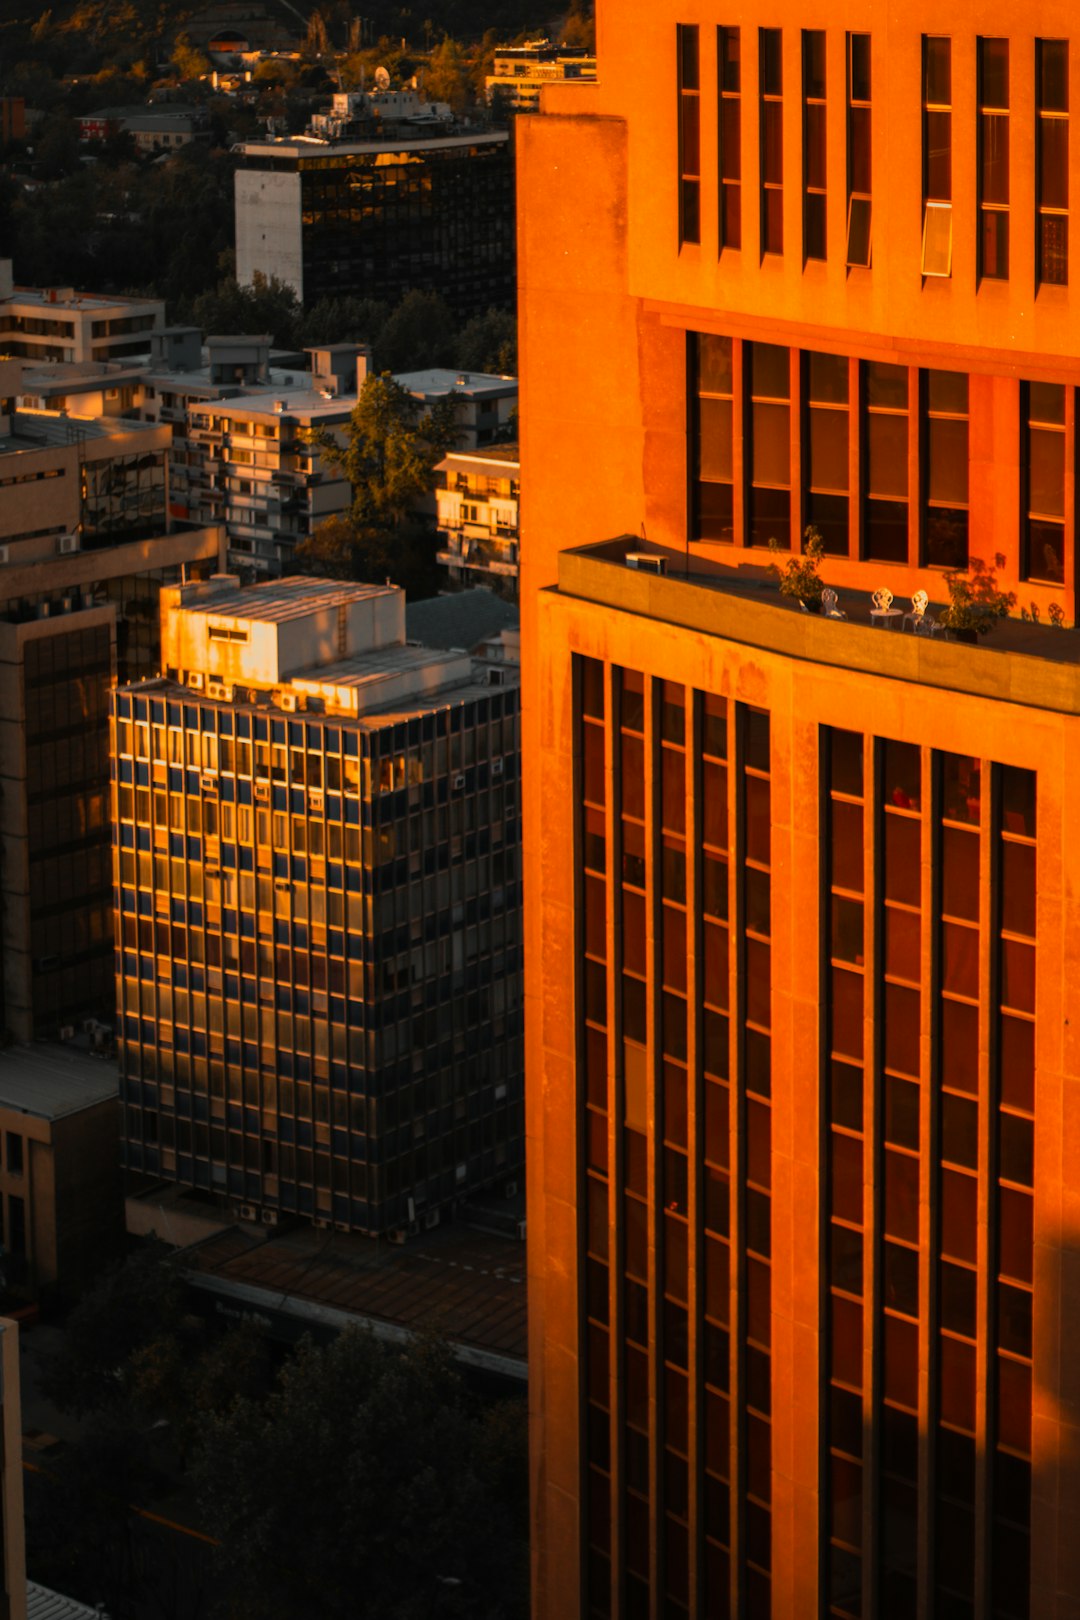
{"x": 738, "y": 1405}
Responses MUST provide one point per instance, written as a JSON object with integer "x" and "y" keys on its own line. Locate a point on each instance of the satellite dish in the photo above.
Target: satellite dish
{"x": 382, "y": 78}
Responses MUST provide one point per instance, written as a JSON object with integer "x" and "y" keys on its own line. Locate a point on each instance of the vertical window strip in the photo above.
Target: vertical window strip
{"x": 859, "y": 150}
{"x": 729, "y": 75}
{"x": 886, "y": 430}
{"x": 672, "y": 1167}
{"x": 1012, "y": 1193}
{"x": 826, "y": 444}
{"x": 755, "y": 1112}
{"x": 1052, "y": 160}
{"x": 768, "y": 378}
{"x": 713, "y": 407}
{"x": 716, "y": 1126}
{"x": 771, "y": 82}
{"x": 944, "y": 396}
{"x": 993, "y": 136}
{"x": 689, "y": 112}
{"x": 637, "y": 1351}
{"x": 843, "y": 1087}
{"x": 897, "y": 1156}
{"x": 959, "y": 1108}
{"x": 1044, "y": 460}
{"x": 593, "y": 1061}
{"x": 937, "y": 155}
{"x": 814, "y": 144}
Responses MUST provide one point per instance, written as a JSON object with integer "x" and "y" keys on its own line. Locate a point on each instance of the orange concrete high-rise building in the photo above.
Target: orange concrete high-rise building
{"x": 802, "y": 888}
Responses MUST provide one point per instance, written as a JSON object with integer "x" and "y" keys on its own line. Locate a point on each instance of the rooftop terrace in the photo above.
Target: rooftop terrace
{"x": 1019, "y": 661}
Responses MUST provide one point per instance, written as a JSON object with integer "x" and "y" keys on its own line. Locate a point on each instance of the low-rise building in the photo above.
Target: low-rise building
{"x": 318, "y": 923}
{"x": 61, "y": 1206}
{"x": 486, "y": 404}
{"x": 520, "y": 72}
{"x": 152, "y": 128}
{"x": 476, "y": 499}
{"x": 58, "y": 323}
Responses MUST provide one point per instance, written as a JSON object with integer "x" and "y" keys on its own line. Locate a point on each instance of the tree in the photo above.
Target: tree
{"x": 389, "y": 458}
{"x": 268, "y": 305}
{"x": 425, "y": 1488}
{"x": 188, "y": 60}
{"x": 137, "y": 1302}
{"x": 488, "y": 343}
{"x": 418, "y": 333}
{"x": 447, "y": 77}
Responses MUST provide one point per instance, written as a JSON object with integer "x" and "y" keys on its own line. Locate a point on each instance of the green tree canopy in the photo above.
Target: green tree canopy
{"x": 488, "y": 343}
{"x": 368, "y": 1487}
{"x": 389, "y": 455}
{"x": 418, "y": 333}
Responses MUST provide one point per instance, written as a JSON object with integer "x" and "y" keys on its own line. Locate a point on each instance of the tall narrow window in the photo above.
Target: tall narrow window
{"x": 945, "y": 514}
{"x": 994, "y": 159}
{"x": 769, "y": 517}
{"x": 772, "y": 140}
{"x": 885, "y": 526}
{"x": 1043, "y": 405}
{"x": 826, "y": 448}
{"x": 814, "y": 208}
{"x": 1052, "y": 62}
{"x": 729, "y": 71}
{"x": 713, "y": 482}
{"x": 689, "y": 135}
{"x": 937, "y": 155}
{"x": 859, "y": 152}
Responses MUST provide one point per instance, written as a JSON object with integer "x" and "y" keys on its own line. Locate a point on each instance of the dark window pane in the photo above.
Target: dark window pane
{"x": 1014, "y": 1319}
{"x": 1016, "y": 1149}
{"x": 901, "y": 1112}
{"x": 957, "y": 1298}
{"x": 846, "y": 1093}
{"x": 847, "y": 1012}
{"x": 960, "y": 1130}
{"x": 846, "y": 845}
{"x": 957, "y": 1382}
{"x": 1054, "y": 162}
{"x": 901, "y": 1196}
{"x": 901, "y": 1382}
{"x": 1017, "y": 1061}
{"x": 1018, "y": 801}
{"x": 846, "y": 1177}
{"x": 901, "y": 1279}
{"x": 714, "y": 364}
{"x": 846, "y": 1259}
{"x": 960, "y": 873}
{"x": 938, "y": 61}
{"x": 903, "y": 859}
{"x": 772, "y": 67}
{"x": 958, "y": 1210}
{"x": 995, "y": 72}
{"x": 885, "y": 531}
{"x": 1053, "y": 70}
{"x": 903, "y": 943}
{"x": 1014, "y": 1404}
{"x": 960, "y": 1046}
{"x": 847, "y": 1320}
{"x": 902, "y": 1029}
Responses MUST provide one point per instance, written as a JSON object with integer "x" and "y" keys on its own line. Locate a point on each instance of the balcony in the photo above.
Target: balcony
{"x": 1021, "y": 662}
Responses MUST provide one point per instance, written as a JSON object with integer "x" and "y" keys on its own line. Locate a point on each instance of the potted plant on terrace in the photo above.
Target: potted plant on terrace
{"x": 799, "y": 576}
{"x": 974, "y": 603}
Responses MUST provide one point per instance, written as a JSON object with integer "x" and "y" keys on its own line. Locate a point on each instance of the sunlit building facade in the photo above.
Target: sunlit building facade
{"x": 318, "y": 910}
{"x": 800, "y": 889}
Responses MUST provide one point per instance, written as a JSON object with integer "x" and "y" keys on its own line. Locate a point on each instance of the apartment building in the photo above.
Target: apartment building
{"x": 800, "y": 899}
{"x": 82, "y": 556}
{"x": 520, "y": 72}
{"x": 485, "y": 404}
{"x": 317, "y": 838}
{"x": 58, "y": 323}
{"x": 377, "y": 218}
{"x": 476, "y": 500}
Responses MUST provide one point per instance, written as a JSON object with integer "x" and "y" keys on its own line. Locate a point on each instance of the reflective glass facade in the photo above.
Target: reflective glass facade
{"x": 318, "y": 952}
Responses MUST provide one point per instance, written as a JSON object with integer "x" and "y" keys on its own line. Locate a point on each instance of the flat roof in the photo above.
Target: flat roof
{"x": 280, "y": 599}
{"x": 441, "y": 380}
{"x": 503, "y": 456}
{"x": 460, "y": 618}
{"x": 52, "y": 1081}
{"x": 33, "y": 430}
{"x": 369, "y": 668}
{"x": 470, "y": 1285}
{"x": 299, "y": 146}
{"x": 297, "y": 402}
{"x": 77, "y": 300}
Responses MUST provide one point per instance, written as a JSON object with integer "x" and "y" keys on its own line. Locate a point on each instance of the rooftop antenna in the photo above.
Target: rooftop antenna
{"x": 382, "y": 78}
